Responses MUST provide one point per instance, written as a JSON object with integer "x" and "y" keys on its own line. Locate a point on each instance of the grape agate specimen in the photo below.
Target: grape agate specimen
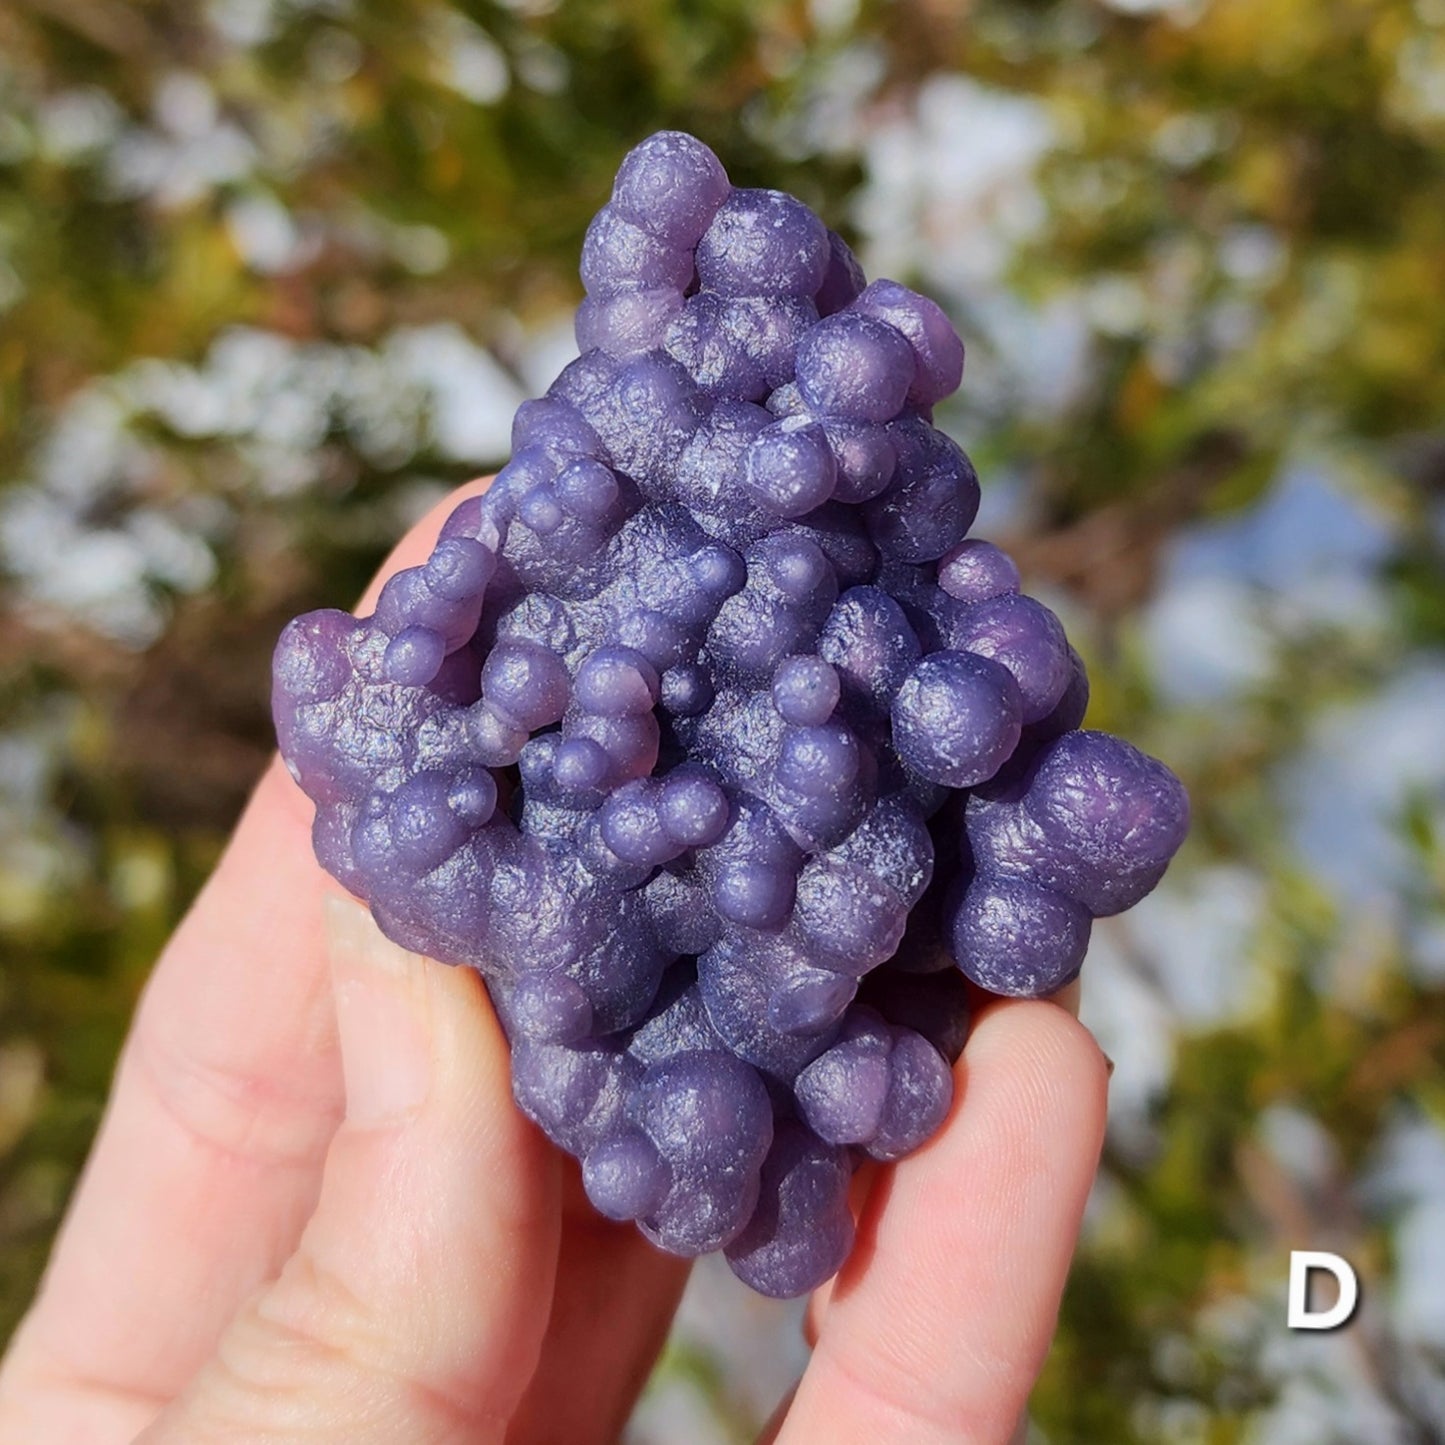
{"x": 710, "y": 737}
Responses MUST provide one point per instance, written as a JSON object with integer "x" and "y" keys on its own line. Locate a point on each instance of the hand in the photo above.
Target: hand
{"x": 314, "y": 1213}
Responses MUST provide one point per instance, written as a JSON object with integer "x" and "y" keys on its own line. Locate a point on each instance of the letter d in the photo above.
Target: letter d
{"x": 1301, "y": 1317}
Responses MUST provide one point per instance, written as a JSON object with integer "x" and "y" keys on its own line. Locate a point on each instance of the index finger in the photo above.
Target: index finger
{"x": 208, "y": 1161}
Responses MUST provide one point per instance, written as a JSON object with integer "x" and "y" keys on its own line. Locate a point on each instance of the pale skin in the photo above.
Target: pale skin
{"x": 313, "y": 1212}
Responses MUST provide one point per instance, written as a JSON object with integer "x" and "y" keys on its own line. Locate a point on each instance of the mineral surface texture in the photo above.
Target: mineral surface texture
{"x": 710, "y": 737}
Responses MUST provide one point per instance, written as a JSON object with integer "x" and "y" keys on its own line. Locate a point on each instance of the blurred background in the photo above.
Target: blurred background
{"x": 275, "y": 273}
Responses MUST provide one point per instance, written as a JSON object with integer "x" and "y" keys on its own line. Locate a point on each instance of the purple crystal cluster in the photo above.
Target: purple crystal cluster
{"x": 713, "y": 741}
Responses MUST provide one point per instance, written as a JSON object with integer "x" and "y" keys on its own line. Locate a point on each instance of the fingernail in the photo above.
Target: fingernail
{"x": 383, "y": 1018}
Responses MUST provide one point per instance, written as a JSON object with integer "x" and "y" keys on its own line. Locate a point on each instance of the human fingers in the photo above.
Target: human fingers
{"x": 1068, "y": 998}
{"x": 939, "y": 1323}
{"x": 209, "y": 1158}
{"x": 613, "y": 1302}
{"x": 415, "y": 1304}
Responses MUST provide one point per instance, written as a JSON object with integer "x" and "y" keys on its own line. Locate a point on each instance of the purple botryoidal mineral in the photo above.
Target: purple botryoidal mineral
{"x": 666, "y": 735}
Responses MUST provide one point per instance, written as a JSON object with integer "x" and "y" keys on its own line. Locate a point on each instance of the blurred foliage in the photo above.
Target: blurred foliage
{"x": 1243, "y": 201}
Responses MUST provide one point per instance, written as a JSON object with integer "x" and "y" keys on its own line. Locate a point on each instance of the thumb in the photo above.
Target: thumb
{"x": 415, "y": 1304}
